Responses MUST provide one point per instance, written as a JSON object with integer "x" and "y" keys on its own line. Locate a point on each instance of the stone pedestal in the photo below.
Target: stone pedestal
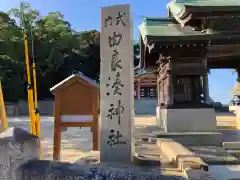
{"x": 188, "y": 120}
{"x": 17, "y": 147}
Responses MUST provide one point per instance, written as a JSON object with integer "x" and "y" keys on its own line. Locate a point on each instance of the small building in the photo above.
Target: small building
{"x": 145, "y": 84}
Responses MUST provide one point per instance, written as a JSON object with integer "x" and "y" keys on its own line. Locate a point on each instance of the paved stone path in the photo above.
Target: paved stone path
{"x": 77, "y": 142}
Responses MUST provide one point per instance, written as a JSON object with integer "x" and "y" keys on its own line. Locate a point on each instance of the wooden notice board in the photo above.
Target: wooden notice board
{"x": 76, "y": 105}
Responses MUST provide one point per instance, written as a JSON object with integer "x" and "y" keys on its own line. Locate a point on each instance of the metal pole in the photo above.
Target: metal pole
{"x": 3, "y": 111}
{"x": 36, "y": 111}
{"x": 29, "y": 87}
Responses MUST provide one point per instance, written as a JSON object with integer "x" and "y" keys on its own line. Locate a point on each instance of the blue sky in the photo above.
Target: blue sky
{"x": 85, "y": 15}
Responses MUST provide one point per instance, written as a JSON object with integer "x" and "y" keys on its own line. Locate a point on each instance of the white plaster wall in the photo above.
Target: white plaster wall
{"x": 161, "y": 117}
{"x": 238, "y": 117}
{"x": 158, "y": 115}
{"x": 190, "y": 120}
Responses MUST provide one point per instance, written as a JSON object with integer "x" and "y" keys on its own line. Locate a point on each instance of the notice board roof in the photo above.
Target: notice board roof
{"x": 79, "y": 76}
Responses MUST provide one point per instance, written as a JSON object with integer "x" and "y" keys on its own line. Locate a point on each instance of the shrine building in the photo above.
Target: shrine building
{"x": 197, "y": 36}
{"x": 145, "y": 84}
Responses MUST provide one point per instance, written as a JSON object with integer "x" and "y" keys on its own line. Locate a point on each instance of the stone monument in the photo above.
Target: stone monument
{"x": 16, "y": 148}
{"x": 116, "y": 84}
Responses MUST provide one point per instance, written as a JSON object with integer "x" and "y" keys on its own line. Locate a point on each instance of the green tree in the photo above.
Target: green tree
{"x": 58, "y": 50}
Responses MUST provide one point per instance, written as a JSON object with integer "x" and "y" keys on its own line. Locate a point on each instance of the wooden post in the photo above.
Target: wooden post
{"x": 205, "y": 83}
{"x": 57, "y": 130}
{"x": 95, "y": 126}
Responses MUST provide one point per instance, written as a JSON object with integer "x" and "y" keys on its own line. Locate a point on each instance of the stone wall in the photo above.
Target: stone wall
{"x": 145, "y": 106}
{"x": 45, "y": 107}
{"x": 142, "y": 106}
{"x": 21, "y": 108}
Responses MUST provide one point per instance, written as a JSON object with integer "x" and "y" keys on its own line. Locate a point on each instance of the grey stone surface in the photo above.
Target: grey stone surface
{"x": 230, "y": 135}
{"x": 214, "y": 155}
{"x": 147, "y": 155}
{"x": 145, "y": 131}
{"x": 17, "y": 146}
{"x": 196, "y": 174}
{"x": 225, "y": 172}
{"x": 193, "y": 138}
{"x": 235, "y": 153}
{"x": 50, "y": 170}
{"x": 231, "y": 145}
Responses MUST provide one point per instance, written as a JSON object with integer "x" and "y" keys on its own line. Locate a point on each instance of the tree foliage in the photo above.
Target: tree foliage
{"x": 57, "y": 49}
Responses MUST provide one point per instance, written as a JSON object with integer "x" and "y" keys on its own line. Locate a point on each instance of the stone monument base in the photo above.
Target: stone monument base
{"x": 188, "y": 120}
{"x": 42, "y": 169}
{"x": 17, "y": 147}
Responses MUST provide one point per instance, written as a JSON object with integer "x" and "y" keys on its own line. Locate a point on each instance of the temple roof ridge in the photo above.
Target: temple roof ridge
{"x": 206, "y": 2}
{"x": 184, "y": 11}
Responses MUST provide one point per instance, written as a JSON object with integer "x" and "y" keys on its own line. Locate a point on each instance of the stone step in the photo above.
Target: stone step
{"x": 145, "y": 138}
{"x": 193, "y": 138}
{"x": 198, "y": 174}
{"x": 231, "y": 145}
{"x": 149, "y": 139}
{"x": 148, "y": 154}
{"x": 145, "y": 130}
{"x": 214, "y": 155}
{"x": 235, "y": 153}
{"x": 180, "y": 155}
{"x": 146, "y": 160}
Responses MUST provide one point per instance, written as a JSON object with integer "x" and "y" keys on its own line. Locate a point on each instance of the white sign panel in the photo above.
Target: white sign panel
{"x": 116, "y": 84}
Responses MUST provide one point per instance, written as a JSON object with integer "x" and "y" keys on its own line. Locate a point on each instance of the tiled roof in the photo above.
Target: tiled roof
{"x": 179, "y": 8}
{"x": 167, "y": 29}
{"x": 206, "y": 2}
{"x": 80, "y": 75}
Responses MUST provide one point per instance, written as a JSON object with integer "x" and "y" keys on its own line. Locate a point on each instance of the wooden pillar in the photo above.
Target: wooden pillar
{"x": 57, "y": 130}
{"x": 170, "y": 84}
{"x": 158, "y": 92}
{"x": 206, "y": 88}
{"x": 238, "y": 75}
{"x": 95, "y": 124}
{"x": 205, "y": 83}
{"x": 138, "y": 89}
